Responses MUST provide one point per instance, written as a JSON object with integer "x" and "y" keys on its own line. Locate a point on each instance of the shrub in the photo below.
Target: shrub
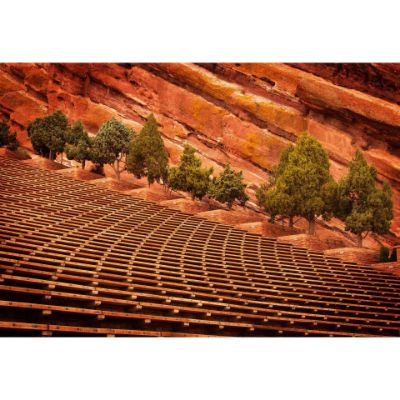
{"x": 22, "y": 154}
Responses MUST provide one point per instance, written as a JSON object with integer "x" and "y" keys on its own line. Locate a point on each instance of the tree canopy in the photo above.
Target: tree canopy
{"x": 300, "y": 183}
{"x": 111, "y": 145}
{"x": 78, "y": 145}
{"x": 147, "y": 155}
{"x": 360, "y": 203}
{"x": 8, "y": 138}
{"x": 228, "y": 187}
{"x": 276, "y": 201}
{"x": 48, "y": 134}
{"x": 189, "y": 176}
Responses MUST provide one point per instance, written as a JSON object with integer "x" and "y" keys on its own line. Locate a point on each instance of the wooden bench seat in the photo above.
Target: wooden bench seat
{"x": 97, "y": 262}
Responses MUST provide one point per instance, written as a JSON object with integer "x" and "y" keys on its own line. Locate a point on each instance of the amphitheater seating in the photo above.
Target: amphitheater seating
{"x": 78, "y": 259}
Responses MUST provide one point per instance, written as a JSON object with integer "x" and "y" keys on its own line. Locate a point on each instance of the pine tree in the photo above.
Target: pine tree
{"x": 8, "y": 138}
{"x": 48, "y": 135}
{"x": 111, "y": 145}
{"x": 189, "y": 176}
{"x": 361, "y": 205}
{"x": 228, "y": 187}
{"x": 147, "y": 155}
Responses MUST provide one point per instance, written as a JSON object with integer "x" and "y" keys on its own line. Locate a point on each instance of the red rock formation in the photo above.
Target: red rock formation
{"x": 244, "y": 114}
{"x": 353, "y": 254}
{"x": 311, "y": 242}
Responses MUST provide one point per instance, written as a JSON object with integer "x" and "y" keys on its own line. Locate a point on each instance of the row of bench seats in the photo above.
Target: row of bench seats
{"x": 76, "y": 259}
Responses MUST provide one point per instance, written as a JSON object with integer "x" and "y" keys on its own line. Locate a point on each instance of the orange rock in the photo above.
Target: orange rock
{"x": 281, "y": 116}
{"x": 229, "y": 217}
{"x": 187, "y": 205}
{"x": 284, "y": 77}
{"x": 151, "y": 194}
{"x": 325, "y": 94}
{"x": 338, "y": 143}
{"x": 266, "y": 229}
{"x": 352, "y": 254}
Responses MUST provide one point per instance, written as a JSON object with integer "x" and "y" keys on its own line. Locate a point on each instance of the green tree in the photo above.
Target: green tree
{"x": 361, "y": 204}
{"x": 111, "y": 145}
{"x": 275, "y": 201}
{"x": 48, "y": 134}
{"x": 75, "y": 133}
{"x": 147, "y": 155}
{"x": 8, "y": 138}
{"x": 189, "y": 176}
{"x": 228, "y": 187}
{"x": 306, "y": 179}
{"x": 301, "y": 184}
{"x": 78, "y": 145}
{"x": 36, "y": 132}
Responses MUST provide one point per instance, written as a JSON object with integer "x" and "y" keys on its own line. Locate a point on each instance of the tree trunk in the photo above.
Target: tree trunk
{"x": 83, "y": 164}
{"x": 359, "y": 240}
{"x": 50, "y": 155}
{"x": 290, "y": 222}
{"x": 117, "y": 171}
{"x": 311, "y": 226}
{"x": 62, "y": 154}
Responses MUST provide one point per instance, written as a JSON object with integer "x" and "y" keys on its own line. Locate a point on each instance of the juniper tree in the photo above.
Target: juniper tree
{"x": 48, "y": 134}
{"x": 111, "y": 145}
{"x": 306, "y": 179}
{"x": 273, "y": 201}
{"x": 147, "y": 155}
{"x": 228, "y": 187}
{"x": 361, "y": 204}
{"x": 78, "y": 145}
{"x": 189, "y": 176}
{"x": 36, "y": 133}
{"x": 301, "y": 183}
{"x": 8, "y": 138}
{"x": 75, "y": 133}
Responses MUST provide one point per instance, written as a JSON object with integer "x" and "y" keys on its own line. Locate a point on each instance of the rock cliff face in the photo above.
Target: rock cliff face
{"x": 241, "y": 113}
